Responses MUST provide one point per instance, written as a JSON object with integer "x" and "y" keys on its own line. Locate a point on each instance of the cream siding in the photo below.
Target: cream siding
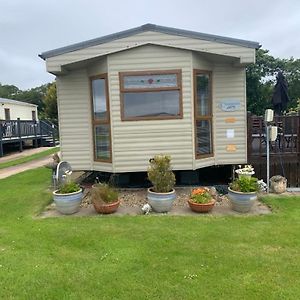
{"x": 230, "y": 83}
{"x": 246, "y": 55}
{"x": 134, "y": 142}
{"x": 24, "y": 112}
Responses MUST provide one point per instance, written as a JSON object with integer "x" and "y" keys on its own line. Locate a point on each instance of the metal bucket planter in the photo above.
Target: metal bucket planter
{"x": 241, "y": 202}
{"x": 67, "y": 204}
{"x": 161, "y": 202}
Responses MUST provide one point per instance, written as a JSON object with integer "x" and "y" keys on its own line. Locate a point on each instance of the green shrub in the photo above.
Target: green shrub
{"x": 160, "y": 174}
{"x": 245, "y": 184}
{"x": 69, "y": 187}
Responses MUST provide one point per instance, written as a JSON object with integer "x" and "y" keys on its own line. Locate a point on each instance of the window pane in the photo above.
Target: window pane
{"x": 150, "y": 81}
{"x": 203, "y": 137}
{"x": 151, "y": 104}
{"x": 102, "y": 142}
{"x": 203, "y": 94}
{"x": 99, "y": 99}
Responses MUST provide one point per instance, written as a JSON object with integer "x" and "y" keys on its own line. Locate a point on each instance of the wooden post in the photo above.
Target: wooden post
{"x": 20, "y": 135}
{"x": 249, "y": 136}
{"x": 1, "y": 144}
{"x": 35, "y": 134}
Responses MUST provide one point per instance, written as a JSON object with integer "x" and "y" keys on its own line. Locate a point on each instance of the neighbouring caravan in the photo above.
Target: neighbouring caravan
{"x": 13, "y": 109}
{"x": 125, "y": 97}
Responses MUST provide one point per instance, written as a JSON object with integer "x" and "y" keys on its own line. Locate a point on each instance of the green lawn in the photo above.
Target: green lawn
{"x": 25, "y": 159}
{"x": 143, "y": 257}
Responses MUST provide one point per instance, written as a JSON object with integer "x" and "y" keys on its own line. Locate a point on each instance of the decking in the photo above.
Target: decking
{"x": 18, "y": 131}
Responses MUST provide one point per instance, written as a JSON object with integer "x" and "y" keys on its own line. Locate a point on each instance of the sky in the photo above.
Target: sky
{"x": 30, "y": 27}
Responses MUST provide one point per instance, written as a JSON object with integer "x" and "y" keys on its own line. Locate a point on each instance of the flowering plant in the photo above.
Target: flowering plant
{"x": 247, "y": 170}
{"x": 201, "y": 195}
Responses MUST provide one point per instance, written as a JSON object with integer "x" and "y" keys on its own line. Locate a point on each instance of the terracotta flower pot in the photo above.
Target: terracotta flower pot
{"x": 202, "y": 207}
{"x": 106, "y": 208}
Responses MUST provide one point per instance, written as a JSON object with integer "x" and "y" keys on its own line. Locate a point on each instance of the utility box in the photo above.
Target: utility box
{"x": 273, "y": 133}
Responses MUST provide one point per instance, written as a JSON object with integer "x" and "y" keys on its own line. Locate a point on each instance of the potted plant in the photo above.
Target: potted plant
{"x": 105, "y": 198}
{"x": 247, "y": 171}
{"x": 242, "y": 192}
{"x": 68, "y": 196}
{"x": 162, "y": 194}
{"x": 201, "y": 200}
{"x": 278, "y": 184}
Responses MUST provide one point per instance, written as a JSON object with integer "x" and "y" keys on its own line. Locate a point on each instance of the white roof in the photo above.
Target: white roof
{"x": 11, "y": 101}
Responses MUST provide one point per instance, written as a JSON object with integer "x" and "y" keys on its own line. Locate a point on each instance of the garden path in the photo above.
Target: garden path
{"x": 4, "y": 173}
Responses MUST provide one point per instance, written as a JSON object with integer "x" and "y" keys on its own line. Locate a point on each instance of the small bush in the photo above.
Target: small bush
{"x": 160, "y": 174}
{"x": 69, "y": 187}
{"x": 245, "y": 184}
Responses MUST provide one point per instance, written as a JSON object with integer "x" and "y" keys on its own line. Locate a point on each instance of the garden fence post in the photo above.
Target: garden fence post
{"x": 1, "y": 144}
{"x": 35, "y": 134}
{"x": 20, "y": 134}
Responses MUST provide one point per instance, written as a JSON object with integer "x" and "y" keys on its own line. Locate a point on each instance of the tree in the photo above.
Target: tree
{"x": 50, "y": 103}
{"x": 261, "y": 78}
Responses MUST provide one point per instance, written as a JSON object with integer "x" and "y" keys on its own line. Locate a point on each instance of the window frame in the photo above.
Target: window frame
{"x": 204, "y": 117}
{"x": 95, "y": 121}
{"x": 124, "y": 90}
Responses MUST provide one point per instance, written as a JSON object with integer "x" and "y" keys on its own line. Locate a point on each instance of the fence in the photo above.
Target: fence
{"x": 284, "y": 151}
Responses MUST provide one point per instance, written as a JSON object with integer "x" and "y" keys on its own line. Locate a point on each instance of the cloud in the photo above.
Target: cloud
{"x": 31, "y": 27}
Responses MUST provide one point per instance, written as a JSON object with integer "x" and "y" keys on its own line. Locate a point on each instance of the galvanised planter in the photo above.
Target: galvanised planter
{"x": 161, "y": 202}
{"x": 67, "y": 204}
{"x": 241, "y": 202}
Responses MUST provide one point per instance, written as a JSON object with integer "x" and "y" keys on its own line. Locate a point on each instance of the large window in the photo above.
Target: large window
{"x": 151, "y": 95}
{"x": 100, "y": 118}
{"x": 203, "y": 113}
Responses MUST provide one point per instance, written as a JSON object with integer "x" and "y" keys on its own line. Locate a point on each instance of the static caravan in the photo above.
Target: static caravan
{"x": 13, "y": 109}
{"x": 125, "y": 97}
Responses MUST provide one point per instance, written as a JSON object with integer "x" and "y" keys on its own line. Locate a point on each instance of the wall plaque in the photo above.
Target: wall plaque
{"x": 230, "y": 105}
{"x": 231, "y": 148}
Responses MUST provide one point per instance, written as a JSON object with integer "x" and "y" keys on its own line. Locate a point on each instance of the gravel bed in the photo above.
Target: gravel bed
{"x": 138, "y": 197}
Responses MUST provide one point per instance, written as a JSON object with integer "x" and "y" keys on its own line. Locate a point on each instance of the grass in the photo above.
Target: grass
{"x": 143, "y": 257}
{"x": 25, "y": 159}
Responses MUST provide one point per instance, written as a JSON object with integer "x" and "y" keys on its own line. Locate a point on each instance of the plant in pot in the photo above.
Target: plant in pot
{"x": 105, "y": 198}
{"x": 201, "y": 200}
{"x": 242, "y": 192}
{"x": 162, "y": 194}
{"x": 68, "y": 196}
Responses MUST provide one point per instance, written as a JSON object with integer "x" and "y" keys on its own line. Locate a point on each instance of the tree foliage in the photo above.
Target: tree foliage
{"x": 50, "y": 103}
{"x": 261, "y": 78}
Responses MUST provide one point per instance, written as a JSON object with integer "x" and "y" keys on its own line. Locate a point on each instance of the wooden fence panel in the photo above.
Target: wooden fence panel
{"x": 284, "y": 152}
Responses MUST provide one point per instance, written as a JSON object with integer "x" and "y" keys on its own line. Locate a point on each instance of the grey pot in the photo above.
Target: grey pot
{"x": 241, "y": 202}
{"x": 161, "y": 202}
{"x": 67, "y": 203}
